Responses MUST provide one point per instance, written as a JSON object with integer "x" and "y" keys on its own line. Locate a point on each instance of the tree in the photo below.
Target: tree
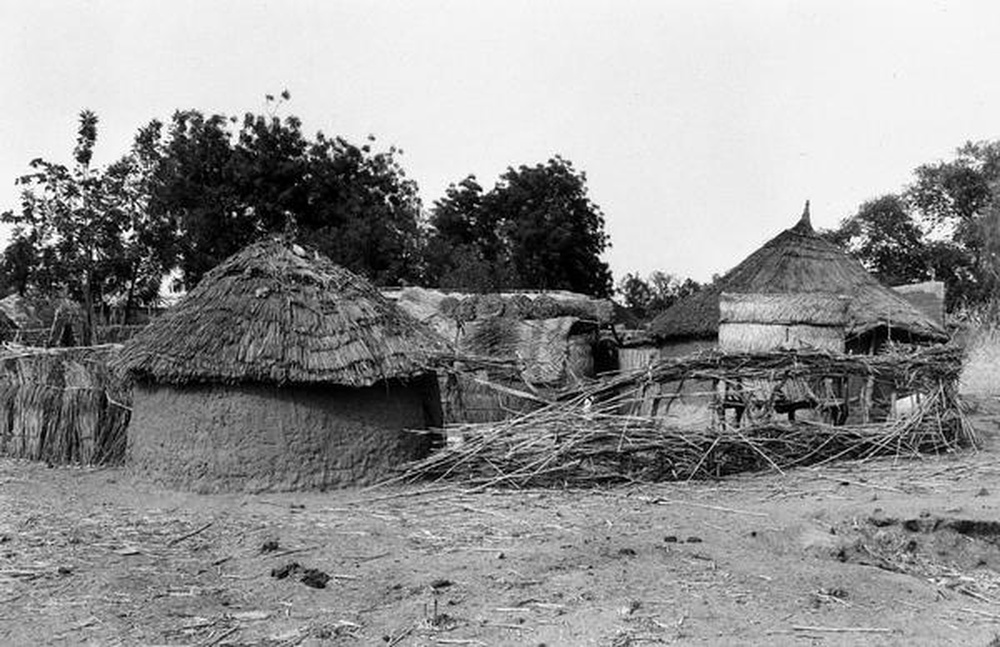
{"x": 16, "y": 264}
{"x": 221, "y": 182}
{"x": 466, "y": 250}
{"x": 960, "y": 198}
{"x": 645, "y": 299}
{"x": 84, "y": 231}
{"x": 64, "y": 225}
{"x": 885, "y": 237}
{"x": 536, "y": 229}
{"x": 945, "y": 225}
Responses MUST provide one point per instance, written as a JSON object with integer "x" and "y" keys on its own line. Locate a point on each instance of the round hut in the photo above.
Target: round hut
{"x": 782, "y": 285}
{"x": 280, "y": 371}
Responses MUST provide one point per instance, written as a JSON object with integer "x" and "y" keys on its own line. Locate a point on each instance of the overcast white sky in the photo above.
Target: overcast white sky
{"x": 702, "y": 126}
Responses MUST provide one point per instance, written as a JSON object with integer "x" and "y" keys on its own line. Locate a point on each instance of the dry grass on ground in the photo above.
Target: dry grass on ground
{"x": 881, "y": 553}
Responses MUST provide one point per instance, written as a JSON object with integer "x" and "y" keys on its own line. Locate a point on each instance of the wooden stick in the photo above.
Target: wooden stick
{"x": 292, "y": 551}
{"x": 659, "y": 501}
{"x": 398, "y": 639}
{"x": 174, "y": 542}
{"x": 875, "y": 630}
{"x": 399, "y": 495}
{"x": 859, "y": 483}
{"x": 221, "y": 637}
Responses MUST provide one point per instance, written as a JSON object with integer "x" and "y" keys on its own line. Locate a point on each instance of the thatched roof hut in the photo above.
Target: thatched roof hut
{"x": 799, "y": 261}
{"x": 280, "y": 370}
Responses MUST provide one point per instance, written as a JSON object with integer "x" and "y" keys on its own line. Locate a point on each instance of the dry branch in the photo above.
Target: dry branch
{"x": 585, "y": 438}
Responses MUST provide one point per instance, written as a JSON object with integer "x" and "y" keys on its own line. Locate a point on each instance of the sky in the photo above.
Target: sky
{"x": 702, "y": 126}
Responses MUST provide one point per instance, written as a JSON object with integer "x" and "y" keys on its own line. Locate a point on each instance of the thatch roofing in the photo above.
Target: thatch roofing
{"x": 798, "y": 260}
{"x": 278, "y": 313}
{"x": 794, "y": 309}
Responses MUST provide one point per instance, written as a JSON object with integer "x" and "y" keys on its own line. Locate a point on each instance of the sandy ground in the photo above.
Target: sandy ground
{"x": 883, "y": 553}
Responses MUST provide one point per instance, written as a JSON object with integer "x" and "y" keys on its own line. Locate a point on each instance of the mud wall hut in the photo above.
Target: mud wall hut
{"x": 798, "y": 261}
{"x": 280, "y": 371}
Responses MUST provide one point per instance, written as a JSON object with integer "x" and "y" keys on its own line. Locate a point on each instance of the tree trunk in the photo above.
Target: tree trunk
{"x": 88, "y": 311}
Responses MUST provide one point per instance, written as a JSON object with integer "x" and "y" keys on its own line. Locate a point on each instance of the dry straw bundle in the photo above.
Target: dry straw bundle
{"x": 62, "y": 405}
{"x": 585, "y": 440}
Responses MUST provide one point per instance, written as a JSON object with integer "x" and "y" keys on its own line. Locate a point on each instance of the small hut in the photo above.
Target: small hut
{"x": 798, "y": 261}
{"x": 280, "y": 371}
{"x": 552, "y": 336}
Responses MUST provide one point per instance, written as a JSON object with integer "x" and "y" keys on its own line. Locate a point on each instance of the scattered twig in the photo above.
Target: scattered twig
{"x": 293, "y": 551}
{"x": 216, "y": 640}
{"x": 872, "y": 630}
{"x": 398, "y": 639}
{"x": 874, "y": 486}
{"x": 718, "y": 508}
{"x": 174, "y": 542}
{"x": 985, "y": 614}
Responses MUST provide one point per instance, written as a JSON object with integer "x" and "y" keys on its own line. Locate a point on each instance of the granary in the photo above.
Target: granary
{"x": 798, "y": 289}
{"x": 280, "y": 370}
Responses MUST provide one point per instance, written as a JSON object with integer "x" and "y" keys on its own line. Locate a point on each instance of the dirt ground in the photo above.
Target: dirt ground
{"x": 890, "y": 552}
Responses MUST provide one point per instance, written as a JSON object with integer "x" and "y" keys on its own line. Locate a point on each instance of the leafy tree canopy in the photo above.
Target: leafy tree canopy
{"x": 193, "y": 191}
{"x": 646, "y": 298}
{"x": 887, "y": 239}
{"x": 536, "y": 229}
{"x": 80, "y": 231}
{"x": 222, "y": 182}
{"x": 944, "y": 225}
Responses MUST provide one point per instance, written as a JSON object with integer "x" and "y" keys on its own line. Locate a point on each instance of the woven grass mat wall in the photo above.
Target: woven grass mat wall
{"x": 62, "y": 405}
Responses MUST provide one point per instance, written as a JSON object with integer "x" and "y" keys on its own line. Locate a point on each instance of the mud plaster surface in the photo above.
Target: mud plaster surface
{"x": 218, "y": 438}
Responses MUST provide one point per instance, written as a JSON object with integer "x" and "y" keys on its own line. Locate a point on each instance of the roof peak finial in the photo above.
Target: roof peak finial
{"x": 805, "y": 223}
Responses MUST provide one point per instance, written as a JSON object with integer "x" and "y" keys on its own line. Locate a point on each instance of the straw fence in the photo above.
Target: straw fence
{"x": 62, "y": 405}
{"x": 586, "y": 438}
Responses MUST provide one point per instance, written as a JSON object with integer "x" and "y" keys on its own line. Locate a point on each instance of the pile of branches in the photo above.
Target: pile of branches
{"x": 908, "y": 368}
{"x": 584, "y": 440}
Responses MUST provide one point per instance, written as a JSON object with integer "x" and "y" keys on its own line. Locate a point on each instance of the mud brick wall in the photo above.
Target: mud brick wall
{"x": 217, "y": 438}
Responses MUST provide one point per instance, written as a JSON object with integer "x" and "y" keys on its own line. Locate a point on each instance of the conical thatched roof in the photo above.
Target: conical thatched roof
{"x": 278, "y": 313}
{"x": 798, "y": 260}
